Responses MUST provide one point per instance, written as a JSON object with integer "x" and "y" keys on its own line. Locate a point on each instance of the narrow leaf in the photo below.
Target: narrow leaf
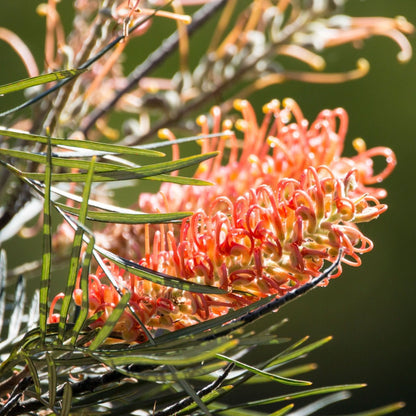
{"x": 84, "y": 283}
{"x": 157, "y": 277}
{"x": 101, "y": 205}
{"x": 63, "y": 160}
{"x": 127, "y": 218}
{"x": 321, "y": 403}
{"x": 51, "y": 380}
{"x": 110, "y": 323}
{"x": 39, "y": 80}
{"x": 300, "y": 369}
{"x": 270, "y": 376}
{"x": 33, "y": 373}
{"x": 3, "y": 276}
{"x": 47, "y": 247}
{"x": 169, "y": 143}
{"x": 283, "y": 411}
{"x": 167, "y": 376}
{"x": 108, "y": 148}
{"x": 66, "y": 400}
{"x": 235, "y": 412}
{"x": 301, "y": 351}
{"x": 180, "y": 180}
{"x": 113, "y": 281}
{"x": 125, "y": 173}
{"x": 380, "y": 411}
{"x": 210, "y": 397}
{"x": 191, "y": 393}
{"x": 177, "y": 358}
{"x": 301, "y": 394}
{"x": 185, "y": 334}
{"x": 75, "y": 254}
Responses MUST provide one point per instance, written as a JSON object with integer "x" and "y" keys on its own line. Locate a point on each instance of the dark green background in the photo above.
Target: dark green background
{"x": 370, "y": 310}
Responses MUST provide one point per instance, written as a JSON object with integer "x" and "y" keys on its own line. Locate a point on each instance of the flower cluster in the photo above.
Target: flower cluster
{"x": 284, "y": 200}
{"x": 281, "y": 147}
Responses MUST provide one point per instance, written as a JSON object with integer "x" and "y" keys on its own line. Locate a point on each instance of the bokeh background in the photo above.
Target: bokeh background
{"x": 370, "y": 311}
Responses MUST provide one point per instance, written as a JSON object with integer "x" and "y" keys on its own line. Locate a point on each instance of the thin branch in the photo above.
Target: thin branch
{"x": 168, "y": 46}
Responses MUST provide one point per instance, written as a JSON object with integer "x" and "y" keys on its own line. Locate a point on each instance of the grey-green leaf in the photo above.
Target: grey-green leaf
{"x": 109, "y": 148}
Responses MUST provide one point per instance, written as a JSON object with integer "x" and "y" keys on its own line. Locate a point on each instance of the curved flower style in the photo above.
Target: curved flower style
{"x": 289, "y": 202}
{"x": 276, "y": 149}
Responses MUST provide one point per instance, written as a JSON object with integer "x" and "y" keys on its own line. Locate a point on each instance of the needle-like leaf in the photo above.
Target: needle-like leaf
{"x": 39, "y": 80}
{"x": 76, "y": 250}
{"x": 108, "y": 148}
{"x": 47, "y": 247}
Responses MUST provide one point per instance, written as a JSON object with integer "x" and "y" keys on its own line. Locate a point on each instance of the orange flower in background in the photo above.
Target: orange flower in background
{"x": 284, "y": 200}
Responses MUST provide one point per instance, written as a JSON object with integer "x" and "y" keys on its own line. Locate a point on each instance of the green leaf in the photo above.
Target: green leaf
{"x": 51, "y": 379}
{"x": 108, "y": 148}
{"x": 380, "y": 411}
{"x": 269, "y": 376}
{"x": 157, "y": 277}
{"x": 300, "y": 369}
{"x": 124, "y": 173}
{"x": 208, "y": 398}
{"x": 298, "y": 395}
{"x": 75, "y": 254}
{"x": 169, "y": 143}
{"x": 47, "y": 248}
{"x": 127, "y": 218}
{"x": 95, "y": 204}
{"x": 33, "y": 372}
{"x": 288, "y": 356}
{"x": 180, "y": 180}
{"x": 210, "y": 326}
{"x": 166, "y": 375}
{"x": 325, "y": 401}
{"x": 110, "y": 323}
{"x": 283, "y": 411}
{"x": 84, "y": 283}
{"x": 236, "y": 412}
{"x": 58, "y": 161}
{"x": 39, "y": 80}
{"x": 100, "y": 166}
{"x": 3, "y": 278}
{"x": 113, "y": 281}
{"x": 147, "y": 392}
{"x": 66, "y": 400}
{"x": 184, "y": 356}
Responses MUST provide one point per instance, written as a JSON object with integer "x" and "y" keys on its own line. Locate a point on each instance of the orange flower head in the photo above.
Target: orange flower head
{"x": 284, "y": 201}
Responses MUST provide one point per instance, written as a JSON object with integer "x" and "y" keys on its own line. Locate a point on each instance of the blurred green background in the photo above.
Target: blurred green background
{"x": 370, "y": 311}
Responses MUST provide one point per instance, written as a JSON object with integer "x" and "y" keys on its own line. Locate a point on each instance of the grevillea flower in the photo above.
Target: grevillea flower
{"x": 281, "y": 147}
{"x": 279, "y": 208}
